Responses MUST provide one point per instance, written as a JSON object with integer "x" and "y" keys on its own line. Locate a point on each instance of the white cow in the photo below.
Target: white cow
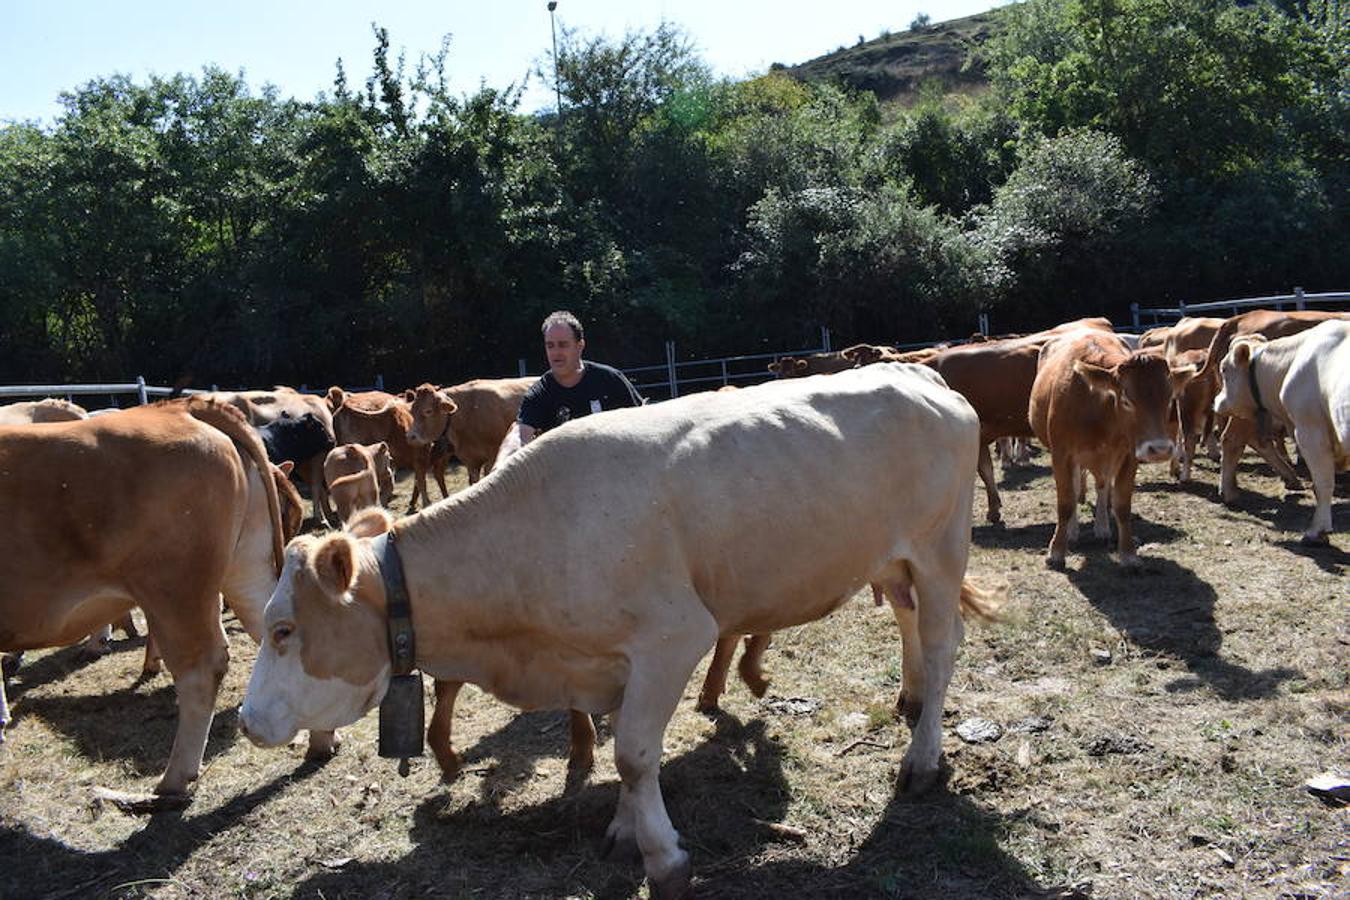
{"x": 1303, "y": 381}
{"x": 598, "y": 567}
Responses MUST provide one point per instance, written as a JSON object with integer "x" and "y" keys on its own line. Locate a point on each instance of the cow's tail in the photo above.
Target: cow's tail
{"x": 1218, "y": 347}
{"x": 982, "y": 603}
{"x": 228, "y": 420}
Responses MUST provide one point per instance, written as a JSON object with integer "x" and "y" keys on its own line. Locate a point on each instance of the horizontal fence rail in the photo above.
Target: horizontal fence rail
{"x": 1298, "y": 299}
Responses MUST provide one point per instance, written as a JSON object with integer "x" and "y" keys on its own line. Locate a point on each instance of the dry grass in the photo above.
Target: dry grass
{"x": 1172, "y": 769}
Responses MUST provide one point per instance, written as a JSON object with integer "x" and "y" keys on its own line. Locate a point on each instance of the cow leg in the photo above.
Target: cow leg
{"x": 938, "y": 584}
{"x": 985, "y": 467}
{"x": 438, "y": 733}
{"x": 419, "y": 478}
{"x": 1272, "y": 450}
{"x": 4, "y": 709}
{"x": 152, "y": 664}
{"x": 1234, "y": 441}
{"x": 1214, "y": 425}
{"x": 912, "y": 681}
{"x": 649, "y": 700}
{"x": 1101, "y": 515}
{"x": 1314, "y": 446}
{"x": 98, "y": 644}
{"x": 1066, "y": 508}
{"x": 581, "y": 757}
{"x": 1187, "y": 445}
{"x": 318, "y": 491}
{"x": 439, "y": 472}
{"x": 715, "y": 682}
{"x": 1122, "y": 498}
{"x": 751, "y": 668}
{"x": 197, "y": 654}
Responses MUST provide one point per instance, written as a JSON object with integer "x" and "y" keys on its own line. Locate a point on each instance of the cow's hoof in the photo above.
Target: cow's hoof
{"x": 1131, "y": 563}
{"x": 9, "y": 665}
{"x": 758, "y": 684}
{"x": 449, "y": 765}
{"x": 994, "y": 517}
{"x": 677, "y": 884}
{"x": 1322, "y": 539}
{"x": 160, "y": 801}
{"x": 1054, "y": 561}
{"x": 323, "y": 746}
{"x": 707, "y": 707}
{"x": 916, "y": 782}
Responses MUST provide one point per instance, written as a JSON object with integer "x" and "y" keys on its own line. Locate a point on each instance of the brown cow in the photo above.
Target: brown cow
{"x": 996, "y": 377}
{"x": 373, "y": 416}
{"x": 1194, "y": 412}
{"x": 473, "y": 417}
{"x": 358, "y": 477}
{"x": 815, "y": 364}
{"x": 166, "y": 508}
{"x": 1099, "y": 407}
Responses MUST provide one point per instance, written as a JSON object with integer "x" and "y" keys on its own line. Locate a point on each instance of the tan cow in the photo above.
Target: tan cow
{"x": 34, "y": 411}
{"x": 358, "y": 476}
{"x": 514, "y": 589}
{"x": 473, "y": 417}
{"x": 1303, "y": 381}
{"x": 815, "y": 364}
{"x": 1100, "y": 408}
{"x": 266, "y": 407}
{"x": 374, "y": 416}
{"x": 165, "y": 507}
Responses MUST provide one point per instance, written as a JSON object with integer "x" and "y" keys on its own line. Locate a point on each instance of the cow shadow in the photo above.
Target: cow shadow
{"x": 514, "y": 751}
{"x": 1329, "y": 558}
{"x": 1037, "y": 536}
{"x": 135, "y": 724}
{"x": 723, "y": 795}
{"x": 728, "y": 797}
{"x": 1166, "y": 609}
{"x": 52, "y": 868}
{"x": 1016, "y": 478}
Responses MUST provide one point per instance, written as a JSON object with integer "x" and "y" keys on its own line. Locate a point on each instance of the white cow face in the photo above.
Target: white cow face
{"x": 1235, "y": 394}
{"x": 324, "y": 660}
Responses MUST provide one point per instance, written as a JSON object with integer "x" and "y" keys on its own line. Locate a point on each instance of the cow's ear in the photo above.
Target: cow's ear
{"x": 799, "y": 365}
{"x": 286, "y": 466}
{"x": 335, "y": 396}
{"x": 1242, "y": 355}
{"x": 775, "y": 367}
{"x": 1098, "y": 377}
{"x": 369, "y": 522}
{"x": 380, "y": 448}
{"x": 448, "y": 406}
{"x": 335, "y": 564}
{"x": 410, "y": 395}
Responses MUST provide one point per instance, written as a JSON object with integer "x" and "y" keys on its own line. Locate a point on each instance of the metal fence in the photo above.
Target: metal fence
{"x": 1298, "y": 299}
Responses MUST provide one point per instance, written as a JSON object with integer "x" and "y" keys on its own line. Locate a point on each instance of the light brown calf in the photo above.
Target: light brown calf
{"x": 473, "y": 417}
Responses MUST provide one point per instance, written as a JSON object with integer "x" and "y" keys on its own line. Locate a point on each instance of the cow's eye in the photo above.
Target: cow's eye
{"x": 280, "y": 632}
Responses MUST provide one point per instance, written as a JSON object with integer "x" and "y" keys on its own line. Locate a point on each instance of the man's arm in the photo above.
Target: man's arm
{"x": 518, "y": 436}
{"x": 634, "y": 398}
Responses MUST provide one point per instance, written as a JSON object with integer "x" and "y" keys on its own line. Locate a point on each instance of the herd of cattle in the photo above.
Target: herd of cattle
{"x": 595, "y": 567}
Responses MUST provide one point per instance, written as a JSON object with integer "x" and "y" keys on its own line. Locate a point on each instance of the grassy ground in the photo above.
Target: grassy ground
{"x": 1158, "y": 728}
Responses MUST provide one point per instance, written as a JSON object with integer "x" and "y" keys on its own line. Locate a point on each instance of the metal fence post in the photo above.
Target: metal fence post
{"x": 1181, "y": 305}
{"x": 824, "y": 339}
{"x": 1134, "y": 314}
{"x": 1298, "y": 298}
{"x": 140, "y": 390}
{"x": 670, "y": 370}
{"x": 521, "y": 366}
{"x": 379, "y": 382}
{"x": 725, "y": 382}
{"x": 984, "y": 324}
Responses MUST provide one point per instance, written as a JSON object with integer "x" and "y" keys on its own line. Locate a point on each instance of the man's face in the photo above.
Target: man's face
{"x": 563, "y": 350}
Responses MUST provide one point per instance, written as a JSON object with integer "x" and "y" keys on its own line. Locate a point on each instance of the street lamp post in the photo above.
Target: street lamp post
{"x": 557, "y": 87}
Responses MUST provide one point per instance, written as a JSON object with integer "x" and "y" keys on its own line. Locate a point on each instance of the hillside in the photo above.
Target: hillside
{"x": 895, "y": 66}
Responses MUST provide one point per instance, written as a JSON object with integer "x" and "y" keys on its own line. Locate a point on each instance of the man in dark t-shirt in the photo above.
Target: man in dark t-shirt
{"x": 572, "y": 387}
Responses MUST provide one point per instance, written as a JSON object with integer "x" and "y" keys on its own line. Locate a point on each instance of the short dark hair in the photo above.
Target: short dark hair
{"x": 563, "y": 317}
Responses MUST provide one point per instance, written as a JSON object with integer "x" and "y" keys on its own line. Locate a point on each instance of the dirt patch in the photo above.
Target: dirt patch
{"x": 1156, "y": 732}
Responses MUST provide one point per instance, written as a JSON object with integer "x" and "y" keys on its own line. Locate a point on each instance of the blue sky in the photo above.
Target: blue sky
{"x": 48, "y": 46}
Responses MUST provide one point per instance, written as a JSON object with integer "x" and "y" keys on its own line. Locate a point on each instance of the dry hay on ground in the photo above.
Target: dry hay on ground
{"x": 1157, "y": 730}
